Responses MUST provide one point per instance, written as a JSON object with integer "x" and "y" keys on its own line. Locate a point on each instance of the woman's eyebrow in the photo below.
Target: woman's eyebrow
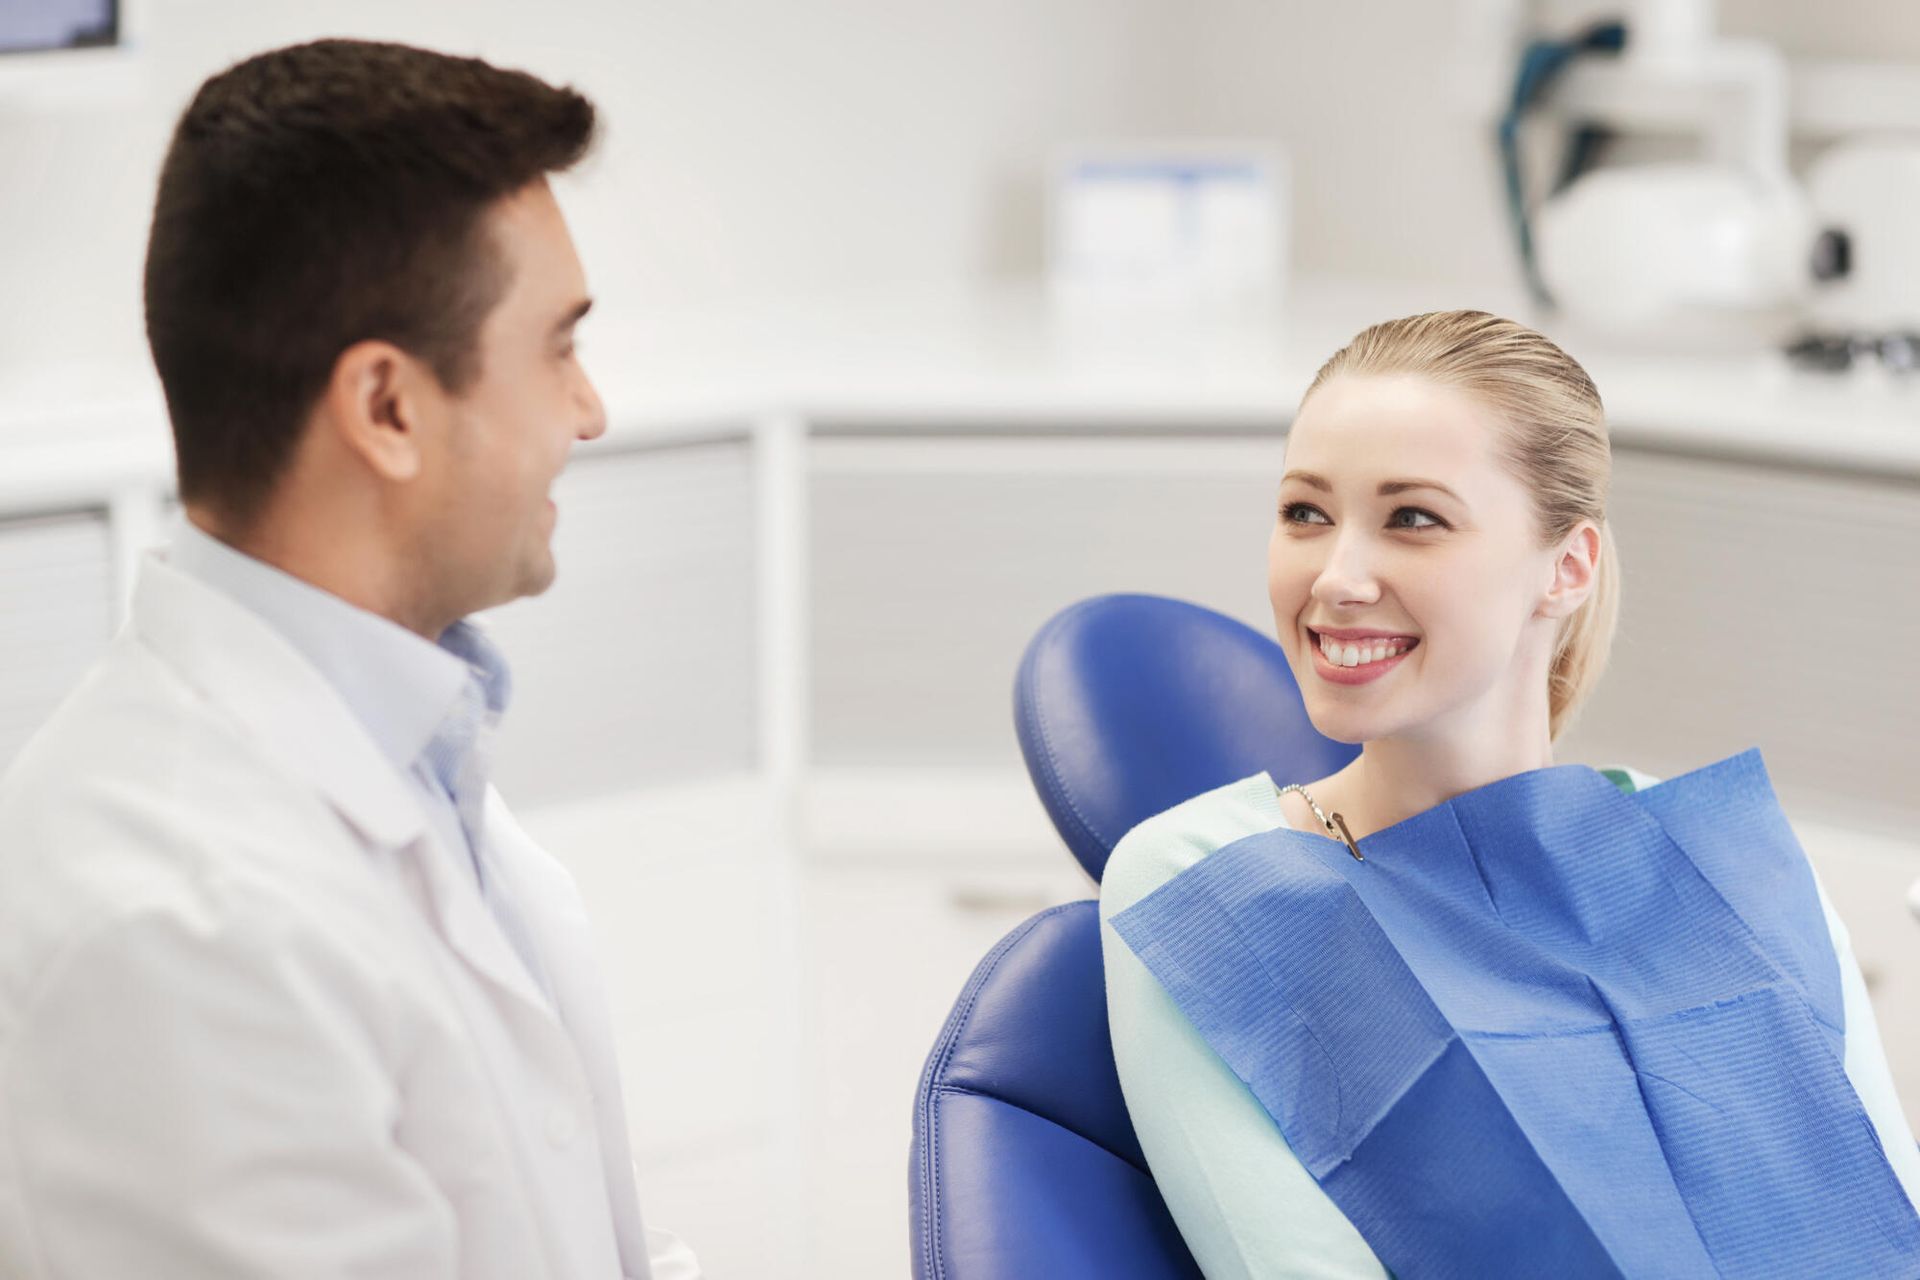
{"x": 1401, "y": 486}
{"x": 1387, "y": 487}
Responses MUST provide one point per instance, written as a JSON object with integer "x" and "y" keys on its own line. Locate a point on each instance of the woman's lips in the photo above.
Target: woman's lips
{"x": 1364, "y": 673}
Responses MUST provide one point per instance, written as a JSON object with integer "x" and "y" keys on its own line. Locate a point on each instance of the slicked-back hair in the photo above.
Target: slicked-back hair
{"x": 321, "y": 195}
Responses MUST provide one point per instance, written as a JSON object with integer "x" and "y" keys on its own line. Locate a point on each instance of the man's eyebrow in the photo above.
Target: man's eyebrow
{"x": 1387, "y": 487}
{"x": 573, "y": 316}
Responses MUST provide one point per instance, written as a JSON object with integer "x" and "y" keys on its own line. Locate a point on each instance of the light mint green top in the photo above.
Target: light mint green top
{"x": 1244, "y": 1203}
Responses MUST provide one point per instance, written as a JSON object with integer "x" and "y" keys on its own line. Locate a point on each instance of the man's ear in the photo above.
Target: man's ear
{"x": 377, "y": 403}
{"x": 1575, "y": 569}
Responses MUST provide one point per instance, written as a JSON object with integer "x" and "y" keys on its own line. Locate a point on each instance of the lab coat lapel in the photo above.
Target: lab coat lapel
{"x": 286, "y": 707}
{"x": 294, "y": 715}
{"x": 468, "y": 926}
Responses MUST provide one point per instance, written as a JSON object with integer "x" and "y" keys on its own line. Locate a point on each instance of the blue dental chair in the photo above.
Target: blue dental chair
{"x": 1024, "y": 1162}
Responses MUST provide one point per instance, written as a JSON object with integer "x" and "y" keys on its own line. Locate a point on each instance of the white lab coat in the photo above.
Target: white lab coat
{"x": 256, "y": 1021}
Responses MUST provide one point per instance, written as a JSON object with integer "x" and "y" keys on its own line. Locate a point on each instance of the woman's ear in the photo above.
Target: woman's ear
{"x": 1575, "y": 567}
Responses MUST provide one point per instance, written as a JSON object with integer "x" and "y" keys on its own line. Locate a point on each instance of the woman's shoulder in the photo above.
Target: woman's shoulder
{"x": 1174, "y": 839}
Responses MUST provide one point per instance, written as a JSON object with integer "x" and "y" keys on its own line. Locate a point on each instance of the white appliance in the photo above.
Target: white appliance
{"x": 1657, "y": 250}
{"x": 1866, "y": 200}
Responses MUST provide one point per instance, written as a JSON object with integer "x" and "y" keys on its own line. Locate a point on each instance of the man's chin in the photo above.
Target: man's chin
{"x": 533, "y": 578}
{"x": 539, "y": 577}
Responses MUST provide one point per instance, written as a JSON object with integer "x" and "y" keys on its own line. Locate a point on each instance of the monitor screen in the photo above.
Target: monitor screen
{"x": 32, "y": 26}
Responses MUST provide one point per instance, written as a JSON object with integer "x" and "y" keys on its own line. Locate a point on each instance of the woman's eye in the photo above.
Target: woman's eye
{"x": 1417, "y": 517}
{"x": 1431, "y": 520}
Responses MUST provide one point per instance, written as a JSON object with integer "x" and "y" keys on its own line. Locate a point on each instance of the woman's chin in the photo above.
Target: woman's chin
{"x": 1339, "y": 724}
{"x": 1332, "y": 715}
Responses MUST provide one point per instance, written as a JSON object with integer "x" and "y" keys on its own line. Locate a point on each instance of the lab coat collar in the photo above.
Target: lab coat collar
{"x": 294, "y": 714}
{"x": 399, "y": 686}
{"x": 237, "y": 660}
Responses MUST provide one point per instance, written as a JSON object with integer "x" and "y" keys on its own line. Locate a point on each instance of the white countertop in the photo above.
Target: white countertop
{"x": 1004, "y": 361}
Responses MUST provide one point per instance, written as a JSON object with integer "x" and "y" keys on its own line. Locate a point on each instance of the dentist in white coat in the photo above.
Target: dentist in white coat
{"x": 284, "y": 992}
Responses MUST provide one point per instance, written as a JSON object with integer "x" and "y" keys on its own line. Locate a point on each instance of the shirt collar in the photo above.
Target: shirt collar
{"x": 399, "y": 685}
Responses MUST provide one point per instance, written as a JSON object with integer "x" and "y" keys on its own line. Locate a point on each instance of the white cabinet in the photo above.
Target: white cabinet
{"x": 1866, "y": 877}
{"x": 636, "y": 668}
{"x": 774, "y": 1009}
{"x": 910, "y": 877}
{"x": 935, "y": 561}
{"x": 1767, "y": 607}
{"x": 889, "y": 947}
{"x": 689, "y": 893}
{"x": 57, "y": 575}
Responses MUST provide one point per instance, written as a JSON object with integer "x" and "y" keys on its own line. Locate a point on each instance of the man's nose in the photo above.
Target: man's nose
{"x": 592, "y": 413}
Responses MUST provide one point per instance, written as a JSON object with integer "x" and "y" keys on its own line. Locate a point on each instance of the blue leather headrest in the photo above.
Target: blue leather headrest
{"x": 1128, "y": 704}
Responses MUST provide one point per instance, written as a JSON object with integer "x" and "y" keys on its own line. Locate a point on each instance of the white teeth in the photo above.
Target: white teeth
{"x": 1342, "y": 654}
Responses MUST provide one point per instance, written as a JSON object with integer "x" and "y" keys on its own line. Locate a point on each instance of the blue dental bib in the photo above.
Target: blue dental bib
{"x": 1548, "y": 1029}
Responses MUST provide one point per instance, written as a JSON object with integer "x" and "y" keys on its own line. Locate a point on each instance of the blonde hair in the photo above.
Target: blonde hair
{"x": 1554, "y": 439}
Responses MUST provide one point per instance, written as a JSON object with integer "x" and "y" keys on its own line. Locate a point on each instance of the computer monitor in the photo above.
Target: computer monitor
{"x": 36, "y": 26}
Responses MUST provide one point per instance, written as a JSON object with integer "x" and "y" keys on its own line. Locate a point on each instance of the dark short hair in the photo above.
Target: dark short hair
{"x": 318, "y": 196}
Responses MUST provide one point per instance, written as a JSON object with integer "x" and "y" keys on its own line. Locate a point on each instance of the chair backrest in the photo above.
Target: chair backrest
{"x": 1024, "y": 1160}
{"x": 1127, "y": 705}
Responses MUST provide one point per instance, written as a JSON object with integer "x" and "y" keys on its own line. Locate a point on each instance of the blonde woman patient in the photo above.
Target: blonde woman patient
{"x": 1445, "y": 589}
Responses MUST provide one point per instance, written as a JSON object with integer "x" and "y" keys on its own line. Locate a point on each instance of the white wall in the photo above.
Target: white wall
{"x": 766, "y": 147}
{"x": 1392, "y": 176}
{"x": 753, "y": 146}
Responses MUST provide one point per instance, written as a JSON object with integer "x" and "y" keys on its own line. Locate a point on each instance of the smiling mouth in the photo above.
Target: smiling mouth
{"x": 1360, "y": 653}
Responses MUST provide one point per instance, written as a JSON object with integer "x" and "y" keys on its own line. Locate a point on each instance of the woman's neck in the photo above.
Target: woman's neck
{"x": 1396, "y": 777}
{"x": 1504, "y": 732}
{"x": 1392, "y": 780}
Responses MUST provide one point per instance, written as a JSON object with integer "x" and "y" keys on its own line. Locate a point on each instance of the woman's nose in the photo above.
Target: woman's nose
{"x": 1347, "y": 575}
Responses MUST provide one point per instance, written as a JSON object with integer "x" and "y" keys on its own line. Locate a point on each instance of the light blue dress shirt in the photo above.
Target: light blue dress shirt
{"x": 432, "y": 709}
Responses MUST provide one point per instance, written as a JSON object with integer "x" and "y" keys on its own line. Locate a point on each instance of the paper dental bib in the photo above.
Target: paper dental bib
{"x": 1548, "y": 1029}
